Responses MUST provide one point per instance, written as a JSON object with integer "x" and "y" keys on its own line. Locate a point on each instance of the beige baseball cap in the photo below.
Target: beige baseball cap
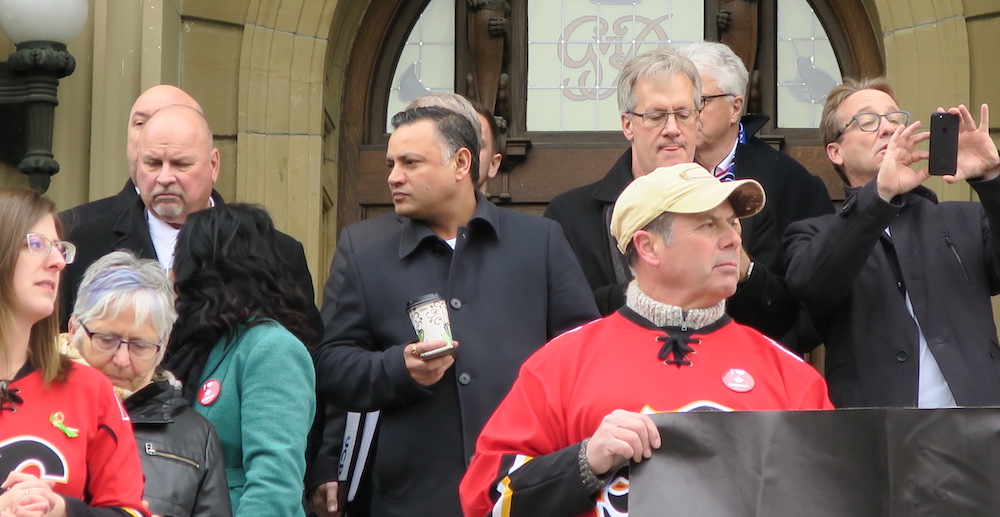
{"x": 686, "y": 188}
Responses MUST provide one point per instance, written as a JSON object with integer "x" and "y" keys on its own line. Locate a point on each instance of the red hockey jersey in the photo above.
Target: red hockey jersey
{"x": 526, "y": 456}
{"x": 75, "y": 433}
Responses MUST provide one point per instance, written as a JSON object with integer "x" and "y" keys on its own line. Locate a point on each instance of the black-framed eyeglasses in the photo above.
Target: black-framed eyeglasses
{"x": 109, "y": 343}
{"x": 39, "y": 244}
{"x": 870, "y": 122}
{"x": 655, "y": 119}
{"x": 706, "y": 98}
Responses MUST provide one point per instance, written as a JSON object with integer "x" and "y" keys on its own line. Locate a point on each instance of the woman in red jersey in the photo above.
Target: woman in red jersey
{"x": 66, "y": 445}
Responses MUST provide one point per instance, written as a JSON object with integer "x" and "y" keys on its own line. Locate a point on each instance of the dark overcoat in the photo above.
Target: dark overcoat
{"x": 842, "y": 266}
{"x": 511, "y": 284}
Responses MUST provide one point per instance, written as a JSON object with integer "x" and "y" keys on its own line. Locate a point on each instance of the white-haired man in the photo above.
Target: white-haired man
{"x": 728, "y": 148}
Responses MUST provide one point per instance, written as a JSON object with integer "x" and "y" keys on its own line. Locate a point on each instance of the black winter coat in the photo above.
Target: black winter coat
{"x": 512, "y": 284}
{"x": 948, "y": 260}
{"x": 180, "y": 452}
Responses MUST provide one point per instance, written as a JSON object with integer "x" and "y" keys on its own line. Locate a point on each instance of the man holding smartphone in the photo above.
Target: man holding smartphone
{"x": 510, "y": 281}
{"x": 899, "y": 284}
{"x": 328, "y": 438}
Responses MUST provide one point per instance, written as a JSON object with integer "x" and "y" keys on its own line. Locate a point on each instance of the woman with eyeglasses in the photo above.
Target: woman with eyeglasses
{"x": 66, "y": 446}
{"x": 123, "y": 315}
{"x": 238, "y": 347}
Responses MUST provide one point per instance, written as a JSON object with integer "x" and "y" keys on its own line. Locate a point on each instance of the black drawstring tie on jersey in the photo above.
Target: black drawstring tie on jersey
{"x": 677, "y": 345}
{"x": 9, "y": 396}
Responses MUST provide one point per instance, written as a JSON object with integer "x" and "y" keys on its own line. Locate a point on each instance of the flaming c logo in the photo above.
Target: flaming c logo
{"x": 20, "y": 452}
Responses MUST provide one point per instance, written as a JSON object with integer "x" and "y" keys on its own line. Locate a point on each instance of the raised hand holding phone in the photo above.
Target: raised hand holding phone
{"x": 977, "y": 153}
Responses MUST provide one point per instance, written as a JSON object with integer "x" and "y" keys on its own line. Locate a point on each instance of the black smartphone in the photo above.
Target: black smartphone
{"x": 944, "y": 144}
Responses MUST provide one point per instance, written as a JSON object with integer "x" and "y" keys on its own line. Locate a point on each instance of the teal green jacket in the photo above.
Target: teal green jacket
{"x": 259, "y": 391}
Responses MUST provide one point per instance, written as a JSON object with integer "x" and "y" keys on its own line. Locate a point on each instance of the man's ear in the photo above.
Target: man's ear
{"x": 833, "y": 152}
{"x": 645, "y": 247}
{"x": 216, "y": 162}
{"x": 494, "y": 166}
{"x": 463, "y": 164}
{"x": 627, "y": 126}
{"x": 72, "y": 326}
{"x": 737, "y": 112}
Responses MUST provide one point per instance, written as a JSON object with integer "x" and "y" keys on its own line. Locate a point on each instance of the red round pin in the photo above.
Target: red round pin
{"x": 738, "y": 380}
{"x": 209, "y": 392}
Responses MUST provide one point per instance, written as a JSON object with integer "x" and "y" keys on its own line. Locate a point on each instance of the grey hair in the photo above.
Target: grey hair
{"x": 119, "y": 280}
{"x": 663, "y": 226}
{"x": 454, "y": 102}
{"x": 658, "y": 65}
{"x": 721, "y": 63}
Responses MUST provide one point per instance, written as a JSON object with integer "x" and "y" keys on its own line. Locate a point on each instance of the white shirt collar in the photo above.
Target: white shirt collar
{"x": 164, "y": 239}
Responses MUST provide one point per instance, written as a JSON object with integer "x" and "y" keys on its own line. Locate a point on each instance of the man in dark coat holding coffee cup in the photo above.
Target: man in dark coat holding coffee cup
{"x": 510, "y": 282}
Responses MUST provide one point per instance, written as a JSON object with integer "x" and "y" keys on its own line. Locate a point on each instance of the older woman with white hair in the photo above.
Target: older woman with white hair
{"x": 123, "y": 316}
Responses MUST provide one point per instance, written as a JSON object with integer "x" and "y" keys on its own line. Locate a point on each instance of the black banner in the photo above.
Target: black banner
{"x": 858, "y": 463}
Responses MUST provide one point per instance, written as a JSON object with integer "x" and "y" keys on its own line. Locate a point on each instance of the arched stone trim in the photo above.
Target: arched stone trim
{"x": 280, "y": 118}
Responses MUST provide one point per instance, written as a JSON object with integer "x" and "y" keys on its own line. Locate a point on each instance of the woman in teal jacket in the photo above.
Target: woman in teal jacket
{"x": 239, "y": 347}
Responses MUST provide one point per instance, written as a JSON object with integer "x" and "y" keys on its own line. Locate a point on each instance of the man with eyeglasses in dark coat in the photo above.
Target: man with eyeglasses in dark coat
{"x": 899, "y": 284}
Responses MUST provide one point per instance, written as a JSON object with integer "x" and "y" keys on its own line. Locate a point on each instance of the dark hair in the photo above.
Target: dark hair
{"x": 454, "y": 130}
{"x": 491, "y": 121}
{"x": 227, "y": 274}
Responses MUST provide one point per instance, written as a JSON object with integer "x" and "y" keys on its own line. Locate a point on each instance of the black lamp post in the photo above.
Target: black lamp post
{"x": 29, "y": 78}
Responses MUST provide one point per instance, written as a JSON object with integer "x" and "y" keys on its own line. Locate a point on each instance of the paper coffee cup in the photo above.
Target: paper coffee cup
{"x": 429, "y": 316}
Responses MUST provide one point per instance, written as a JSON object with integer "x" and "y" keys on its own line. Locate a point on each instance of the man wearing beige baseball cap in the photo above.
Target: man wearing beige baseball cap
{"x": 561, "y": 441}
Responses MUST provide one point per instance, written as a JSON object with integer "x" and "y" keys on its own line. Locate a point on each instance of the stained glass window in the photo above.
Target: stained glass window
{"x": 427, "y": 63}
{"x": 807, "y": 66}
{"x": 576, "y": 49}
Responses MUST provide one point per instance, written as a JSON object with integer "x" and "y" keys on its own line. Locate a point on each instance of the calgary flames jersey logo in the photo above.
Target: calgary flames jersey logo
{"x": 22, "y": 453}
{"x": 612, "y": 501}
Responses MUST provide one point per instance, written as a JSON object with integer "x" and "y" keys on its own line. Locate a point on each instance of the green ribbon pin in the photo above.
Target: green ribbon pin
{"x": 56, "y": 419}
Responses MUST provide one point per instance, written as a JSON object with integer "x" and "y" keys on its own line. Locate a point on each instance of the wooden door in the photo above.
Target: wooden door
{"x": 539, "y": 165}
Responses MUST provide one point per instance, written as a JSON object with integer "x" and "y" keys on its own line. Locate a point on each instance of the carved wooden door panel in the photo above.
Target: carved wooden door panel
{"x": 501, "y": 59}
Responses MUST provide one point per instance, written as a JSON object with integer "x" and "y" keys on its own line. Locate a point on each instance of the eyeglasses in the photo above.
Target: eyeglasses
{"x": 655, "y": 119}
{"x": 706, "y": 98}
{"x": 42, "y": 245}
{"x": 870, "y": 122}
{"x": 108, "y": 343}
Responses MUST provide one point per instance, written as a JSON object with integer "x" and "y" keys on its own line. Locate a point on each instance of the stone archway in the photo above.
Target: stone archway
{"x": 289, "y": 103}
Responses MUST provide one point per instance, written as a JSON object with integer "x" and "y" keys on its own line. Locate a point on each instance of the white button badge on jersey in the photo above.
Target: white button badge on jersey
{"x": 738, "y": 380}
